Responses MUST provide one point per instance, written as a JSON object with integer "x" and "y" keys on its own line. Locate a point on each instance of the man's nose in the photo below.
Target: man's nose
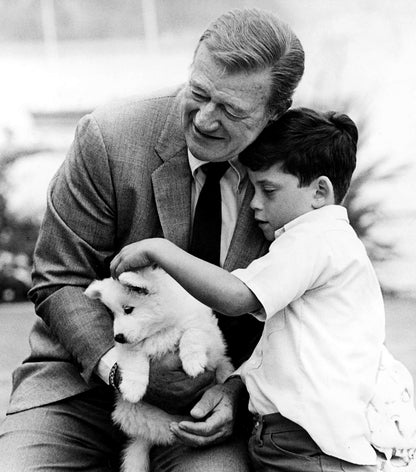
{"x": 206, "y": 118}
{"x": 120, "y": 338}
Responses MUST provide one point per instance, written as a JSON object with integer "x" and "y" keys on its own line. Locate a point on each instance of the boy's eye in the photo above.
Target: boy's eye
{"x": 128, "y": 310}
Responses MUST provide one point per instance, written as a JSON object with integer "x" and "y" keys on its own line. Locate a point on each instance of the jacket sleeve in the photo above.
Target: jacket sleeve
{"x": 75, "y": 243}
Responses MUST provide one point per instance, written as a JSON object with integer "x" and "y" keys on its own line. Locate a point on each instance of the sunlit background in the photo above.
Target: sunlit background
{"x": 59, "y": 59}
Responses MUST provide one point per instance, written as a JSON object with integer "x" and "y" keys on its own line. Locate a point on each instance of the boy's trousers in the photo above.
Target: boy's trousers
{"x": 280, "y": 445}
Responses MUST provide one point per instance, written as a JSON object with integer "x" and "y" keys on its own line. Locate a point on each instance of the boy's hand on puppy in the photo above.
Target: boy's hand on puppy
{"x": 135, "y": 255}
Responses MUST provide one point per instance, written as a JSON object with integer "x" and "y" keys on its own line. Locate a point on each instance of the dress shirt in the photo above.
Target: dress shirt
{"x": 233, "y": 185}
{"x": 317, "y": 360}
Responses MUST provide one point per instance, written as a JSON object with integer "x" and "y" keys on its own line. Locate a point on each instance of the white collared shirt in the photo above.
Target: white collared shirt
{"x": 233, "y": 185}
{"x": 317, "y": 360}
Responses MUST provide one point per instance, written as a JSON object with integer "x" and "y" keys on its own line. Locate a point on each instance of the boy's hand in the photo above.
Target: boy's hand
{"x": 135, "y": 255}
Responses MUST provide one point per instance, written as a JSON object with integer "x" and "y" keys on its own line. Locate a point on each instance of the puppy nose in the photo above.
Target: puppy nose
{"x": 119, "y": 338}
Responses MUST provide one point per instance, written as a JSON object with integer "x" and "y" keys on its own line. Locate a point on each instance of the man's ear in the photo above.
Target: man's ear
{"x": 324, "y": 192}
{"x": 281, "y": 110}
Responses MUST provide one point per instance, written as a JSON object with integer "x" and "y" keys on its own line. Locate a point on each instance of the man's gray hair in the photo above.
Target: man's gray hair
{"x": 250, "y": 40}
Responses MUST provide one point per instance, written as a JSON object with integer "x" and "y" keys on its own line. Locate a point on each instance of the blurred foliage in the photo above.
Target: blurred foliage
{"x": 17, "y": 239}
{"x": 364, "y": 216}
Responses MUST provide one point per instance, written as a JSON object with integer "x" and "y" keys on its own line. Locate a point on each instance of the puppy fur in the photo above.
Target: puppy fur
{"x": 154, "y": 315}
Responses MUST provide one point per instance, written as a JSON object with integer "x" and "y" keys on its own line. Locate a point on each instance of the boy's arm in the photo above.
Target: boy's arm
{"x": 207, "y": 282}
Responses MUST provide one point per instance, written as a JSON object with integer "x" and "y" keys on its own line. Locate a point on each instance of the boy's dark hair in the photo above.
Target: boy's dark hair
{"x": 308, "y": 144}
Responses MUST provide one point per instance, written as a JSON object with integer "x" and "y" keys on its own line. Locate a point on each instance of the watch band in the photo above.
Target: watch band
{"x": 114, "y": 377}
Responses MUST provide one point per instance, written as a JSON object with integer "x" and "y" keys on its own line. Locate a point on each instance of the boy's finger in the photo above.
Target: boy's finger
{"x": 113, "y": 267}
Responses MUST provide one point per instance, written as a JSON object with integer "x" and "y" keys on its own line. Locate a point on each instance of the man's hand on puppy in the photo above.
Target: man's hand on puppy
{"x": 171, "y": 389}
{"x": 214, "y": 416}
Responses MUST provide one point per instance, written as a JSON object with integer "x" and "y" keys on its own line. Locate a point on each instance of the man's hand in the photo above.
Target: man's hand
{"x": 214, "y": 416}
{"x": 171, "y": 389}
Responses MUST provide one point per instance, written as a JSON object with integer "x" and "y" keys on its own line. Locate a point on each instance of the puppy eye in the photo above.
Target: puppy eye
{"x": 128, "y": 310}
{"x": 140, "y": 290}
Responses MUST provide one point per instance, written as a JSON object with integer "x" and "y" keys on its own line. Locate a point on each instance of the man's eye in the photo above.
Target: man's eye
{"x": 232, "y": 115}
{"x": 198, "y": 96}
{"x": 128, "y": 310}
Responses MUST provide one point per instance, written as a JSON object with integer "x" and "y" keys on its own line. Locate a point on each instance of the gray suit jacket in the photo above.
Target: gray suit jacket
{"x": 126, "y": 177}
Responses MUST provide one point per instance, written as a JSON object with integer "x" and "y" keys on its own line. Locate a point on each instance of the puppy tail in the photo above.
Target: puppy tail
{"x": 136, "y": 455}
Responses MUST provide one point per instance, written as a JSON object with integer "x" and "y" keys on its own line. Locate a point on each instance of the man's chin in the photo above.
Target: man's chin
{"x": 204, "y": 154}
{"x": 207, "y": 150}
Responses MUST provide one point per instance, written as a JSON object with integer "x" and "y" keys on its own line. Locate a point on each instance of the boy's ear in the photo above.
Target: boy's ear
{"x": 324, "y": 192}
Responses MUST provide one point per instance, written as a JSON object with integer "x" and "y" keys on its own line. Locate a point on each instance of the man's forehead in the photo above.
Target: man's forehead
{"x": 243, "y": 91}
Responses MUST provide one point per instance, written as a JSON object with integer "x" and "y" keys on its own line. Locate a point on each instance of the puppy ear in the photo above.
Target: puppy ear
{"x": 134, "y": 282}
{"x": 94, "y": 290}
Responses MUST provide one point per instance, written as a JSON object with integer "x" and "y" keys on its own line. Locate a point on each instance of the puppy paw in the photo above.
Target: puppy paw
{"x": 194, "y": 365}
{"x": 132, "y": 391}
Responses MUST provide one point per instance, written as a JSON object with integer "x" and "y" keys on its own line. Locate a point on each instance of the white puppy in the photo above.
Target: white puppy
{"x": 153, "y": 315}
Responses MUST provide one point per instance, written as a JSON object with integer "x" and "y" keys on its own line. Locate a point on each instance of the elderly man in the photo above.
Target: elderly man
{"x": 135, "y": 171}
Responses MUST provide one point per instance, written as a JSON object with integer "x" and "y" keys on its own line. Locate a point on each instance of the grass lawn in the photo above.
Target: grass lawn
{"x": 16, "y": 320}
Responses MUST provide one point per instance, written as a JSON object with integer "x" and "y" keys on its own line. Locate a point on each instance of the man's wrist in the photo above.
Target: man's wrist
{"x": 105, "y": 364}
{"x": 234, "y": 383}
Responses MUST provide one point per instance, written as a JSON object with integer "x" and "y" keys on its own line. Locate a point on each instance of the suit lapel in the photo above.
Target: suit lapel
{"x": 172, "y": 189}
{"x": 248, "y": 242}
{"x": 172, "y": 180}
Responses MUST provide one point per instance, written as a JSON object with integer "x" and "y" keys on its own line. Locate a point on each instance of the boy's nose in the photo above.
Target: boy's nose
{"x": 120, "y": 338}
{"x": 255, "y": 204}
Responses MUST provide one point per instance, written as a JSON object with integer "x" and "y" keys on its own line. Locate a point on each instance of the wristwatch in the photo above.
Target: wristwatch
{"x": 114, "y": 377}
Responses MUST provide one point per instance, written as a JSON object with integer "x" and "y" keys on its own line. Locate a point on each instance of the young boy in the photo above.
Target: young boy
{"x": 314, "y": 370}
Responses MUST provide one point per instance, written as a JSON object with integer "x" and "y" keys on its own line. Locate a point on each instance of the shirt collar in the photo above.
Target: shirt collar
{"x": 235, "y": 164}
{"x": 321, "y": 215}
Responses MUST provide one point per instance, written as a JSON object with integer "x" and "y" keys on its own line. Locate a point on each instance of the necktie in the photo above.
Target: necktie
{"x": 206, "y": 232}
{"x": 243, "y": 332}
